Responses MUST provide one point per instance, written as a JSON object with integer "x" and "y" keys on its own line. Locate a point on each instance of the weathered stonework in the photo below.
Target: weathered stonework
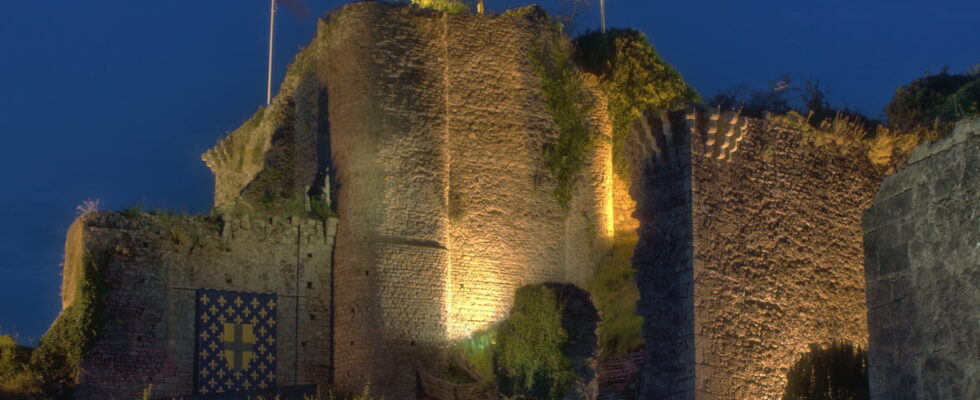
{"x": 922, "y": 252}
{"x": 437, "y": 127}
{"x": 153, "y": 267}
{"x": 745, "y": 260}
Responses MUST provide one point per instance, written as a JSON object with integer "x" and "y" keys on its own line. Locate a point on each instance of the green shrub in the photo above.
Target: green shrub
{"x": 528, "y": 359}
{"x": 563, "y": 89}
{"x": 962, "y": 104}
{"x": 449, "y": 6}
{"x": 615, "y": 294}
{"x": 16, "y": 378}
{"x": 838, "y": 372}
{"x": 75, "y": 331}
{"x": 477, "y": 351}
{"x": 634, "y": 77}
{"x": 919, "y": 102}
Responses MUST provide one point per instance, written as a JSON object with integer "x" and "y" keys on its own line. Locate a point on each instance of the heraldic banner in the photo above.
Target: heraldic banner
{"x": 236, "y": 341}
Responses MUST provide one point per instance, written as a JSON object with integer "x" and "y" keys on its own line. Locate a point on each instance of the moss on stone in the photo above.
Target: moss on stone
{"x": 449, "y": 6}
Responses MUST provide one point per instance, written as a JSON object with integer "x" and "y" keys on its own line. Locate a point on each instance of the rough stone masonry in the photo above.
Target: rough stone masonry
{"x": 743, "y": 262}
{"x": 154, "y": 264}
{"x": 922, "y": 251}
{"x": 426, "y": 130}
{"x": 437, "y": 126}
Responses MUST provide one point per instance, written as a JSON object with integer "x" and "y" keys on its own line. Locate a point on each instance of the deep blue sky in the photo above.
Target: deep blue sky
{"x": 116, "y": 99}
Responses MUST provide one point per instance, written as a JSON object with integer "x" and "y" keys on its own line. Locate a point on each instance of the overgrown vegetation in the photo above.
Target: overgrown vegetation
{"x": 564, "y": 91}
{"x": 965, "y": 103}
{"x": 924, "y": 110}
{"x": 528, "y": 359}
{"x": 449, "y": 6}
{"x": 476, "y": 352}
{"x": 16, "y": 379}
{"x": 56, "y": 360}
{"x": 881, "y": 145}
{"x": 923, "y": 101}
{"x": 634, "y": 78}
{"x": 615, "y": 295}
{"x": 838, "y": 372}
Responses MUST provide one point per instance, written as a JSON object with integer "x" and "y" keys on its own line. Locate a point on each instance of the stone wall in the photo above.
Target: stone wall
{"x": 154, "y": 265}
{"x": 623, "y": 208}
{"x": 922, "y": 249}
{"x": 282, "y": 151}
{"x": 437, "y": 127}
{"x": 744, "y": 261}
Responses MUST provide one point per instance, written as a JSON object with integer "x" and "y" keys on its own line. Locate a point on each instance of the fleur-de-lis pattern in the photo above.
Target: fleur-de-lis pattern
{"x": 236, "y": 343}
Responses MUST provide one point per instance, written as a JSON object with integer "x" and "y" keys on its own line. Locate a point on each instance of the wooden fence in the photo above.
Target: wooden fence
{"x": 619, "y": 372}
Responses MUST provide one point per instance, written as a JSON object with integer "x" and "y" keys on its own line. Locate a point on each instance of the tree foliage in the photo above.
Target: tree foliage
{"x": 528, "y": 358}
{"x": 838, "y": 372}
{"x": 962, "y": 104}
{"x": 634, "y": 77}
{"x": 919, "y": 102}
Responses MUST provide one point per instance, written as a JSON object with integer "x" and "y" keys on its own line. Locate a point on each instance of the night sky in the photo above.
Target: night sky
{"x": 116, "y": 99}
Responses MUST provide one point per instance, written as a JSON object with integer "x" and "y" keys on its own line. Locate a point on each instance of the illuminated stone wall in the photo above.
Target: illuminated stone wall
{"x": 922, "y": 249}
{"x": 623, "y": 208}
{"x": 153, "y": 265}
{"x": 744, "y": 261}
{"x": 437, "y": 128}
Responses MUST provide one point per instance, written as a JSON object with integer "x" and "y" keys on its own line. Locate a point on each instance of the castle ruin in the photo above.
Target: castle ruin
{"x": 394, "y": 195}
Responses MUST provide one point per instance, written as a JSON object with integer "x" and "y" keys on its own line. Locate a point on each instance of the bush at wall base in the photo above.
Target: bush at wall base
{"x": 836, "y": 372}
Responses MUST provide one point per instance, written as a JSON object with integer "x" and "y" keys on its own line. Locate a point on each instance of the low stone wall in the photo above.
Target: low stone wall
{"x": 922, "y": 252}
{"x": 153, "y": 265}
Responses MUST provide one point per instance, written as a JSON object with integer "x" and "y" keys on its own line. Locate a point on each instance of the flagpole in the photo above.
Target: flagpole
{"x": 602, "y": 12}
{"x": 272, "y": 29}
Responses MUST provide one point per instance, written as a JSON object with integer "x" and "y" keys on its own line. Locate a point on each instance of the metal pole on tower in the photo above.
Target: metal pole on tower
{"x": 602, "y": 13}
{"x": 272, "y": 30}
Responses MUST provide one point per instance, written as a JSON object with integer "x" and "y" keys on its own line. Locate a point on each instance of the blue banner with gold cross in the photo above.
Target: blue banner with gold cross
{"x": 236, "y": 341}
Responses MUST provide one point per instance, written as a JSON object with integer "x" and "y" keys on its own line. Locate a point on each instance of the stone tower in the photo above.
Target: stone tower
{"x": 749, "y": 250}
{"x": 437, "y": 127}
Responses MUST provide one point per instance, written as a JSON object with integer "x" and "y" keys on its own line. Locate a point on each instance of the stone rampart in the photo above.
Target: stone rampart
{"x": 154, "y": 264}
{"x": 922, "y": 252}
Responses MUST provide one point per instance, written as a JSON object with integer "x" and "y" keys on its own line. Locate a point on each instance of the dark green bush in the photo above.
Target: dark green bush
{"x": 838, "y": 372}
{"x": 528, "y": 358}
{"x": 16, "y": 378}
{"x": 74, "y": 333}
{"x": 615, "y": 295}
{"x": 962, "y": 104}
{"x": 634, "y": 78}
{"x": 918, "y": 103}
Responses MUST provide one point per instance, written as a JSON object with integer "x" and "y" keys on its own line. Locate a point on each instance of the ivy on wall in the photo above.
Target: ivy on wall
{"x": 75, "y": 332}
{"x": 564, "y": 89}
